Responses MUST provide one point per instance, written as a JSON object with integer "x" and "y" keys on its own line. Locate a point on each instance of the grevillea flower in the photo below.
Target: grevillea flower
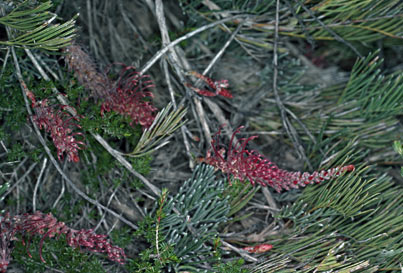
{"x": 86, "y": 72}
{"x": 47, "y": 226}
{"x": 129, "y": 95}
{"x": 219, "y": 87}
{"x": 243, "y": 164}
{"x": 262, "y": 248}
{"x": 60, "y": 125}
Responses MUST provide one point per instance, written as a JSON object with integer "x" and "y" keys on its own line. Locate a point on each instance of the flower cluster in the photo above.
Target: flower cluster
{"x": 47, "y": 226}
{"x": 131, "y": 98}
{"x": 60, "y": 125}
{"x": 128, "y": 95}
{"x": 244, "y": 164}
{"x": 219, "y": 87}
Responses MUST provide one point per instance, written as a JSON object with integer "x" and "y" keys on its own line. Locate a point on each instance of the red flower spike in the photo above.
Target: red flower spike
{"x": 218, "y": 86}
{"x": 243, "y": 164}
{"x": 47, "y": 226}
{"x": 262, "y": 248}
{"x": 128, "y": 96}
{"x": 131, "y": 98}
{"x": 60, "y": 125}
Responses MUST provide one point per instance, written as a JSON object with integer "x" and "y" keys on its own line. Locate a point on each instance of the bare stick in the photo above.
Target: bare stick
{"x": 183, "y": 127}
{"x": 166, "y": 41}
{"x": 222, "y": 50}
{"x": 241, "y": 252}
{"x": 38, "y": 181}
{"x": 162, "y": 51}
{"x": 291, "y": 132}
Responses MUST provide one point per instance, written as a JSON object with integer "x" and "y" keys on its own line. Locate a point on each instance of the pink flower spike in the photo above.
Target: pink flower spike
{"x": 60, "y": 125}
{"x": 47, "y": 226}
{"x": 243, "y": 164}
{"x": 131, "y": 98}
{"x": 219, "y": 87}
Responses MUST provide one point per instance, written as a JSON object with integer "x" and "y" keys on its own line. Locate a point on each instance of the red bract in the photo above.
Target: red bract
{"x": 262, "y": 248}
{"x": 219, "y": 87}
{"x": 47, "y": 226}
{"x": 60, "y": 125}
{"x": 131, "y": 98}
{"x": 243, "y": 164}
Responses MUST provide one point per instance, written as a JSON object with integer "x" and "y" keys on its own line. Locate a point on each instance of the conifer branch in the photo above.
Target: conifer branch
{"x": 35, "y": 30}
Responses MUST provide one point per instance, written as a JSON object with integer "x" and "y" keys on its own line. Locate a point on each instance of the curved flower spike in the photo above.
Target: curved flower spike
{"x": 243, "y": 164}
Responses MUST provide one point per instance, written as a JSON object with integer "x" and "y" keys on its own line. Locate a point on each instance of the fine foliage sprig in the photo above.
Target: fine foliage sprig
{"x": 167, "y": 121}
{"x": 34, "y": 29}
{"x": 191, "y": 218}
{"x": 355, "y": 221}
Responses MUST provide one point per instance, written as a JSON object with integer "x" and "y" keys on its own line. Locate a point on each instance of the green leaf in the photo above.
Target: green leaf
{"x": 165, "y": 123}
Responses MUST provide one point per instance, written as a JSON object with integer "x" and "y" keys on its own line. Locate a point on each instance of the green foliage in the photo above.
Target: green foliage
{"x": 33, "y": 28}
{"x": 185, "y": 224}
{"x": 16, "y": 153}
{"x": 231, "y": 267}
{"x": 398, "y": 146}
{"x": 166, "y": 122}
{"x": 12, "y": 108}
{"x": 122, "y": 237}
{"x": 356, "y": 219}
{"x": 356, "y": 20}
{"x": 361, "y": 112}
{"x": 57, "y": 254}
{"x": 160, "y": 255}
{"x": 239, "y": 194}
{"x": 192, "y": 218}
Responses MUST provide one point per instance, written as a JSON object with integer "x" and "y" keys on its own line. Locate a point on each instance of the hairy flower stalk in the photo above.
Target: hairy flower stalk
{"x": 128, "y": 95}
{"x": 243, "y": 164}
{"x": 86, "y": 72}
{"x": 60, "y": 125}
{"x": 47, "y": 226}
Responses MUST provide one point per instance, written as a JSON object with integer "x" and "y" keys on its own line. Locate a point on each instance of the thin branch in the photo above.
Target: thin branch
{"x": 241, "y": 252}
{"x": 126, "y": 164}
{"x": 162, "y": 51}
{"x": 174, "y": 56}
{"x": 222, "y": 50}
{"x": 165, "y": 40}
{"x": 291, "y": 132}
{"x": 183, "y": 127}
{"x": 38, "y": 181}
{"x": 335, "y": 35}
